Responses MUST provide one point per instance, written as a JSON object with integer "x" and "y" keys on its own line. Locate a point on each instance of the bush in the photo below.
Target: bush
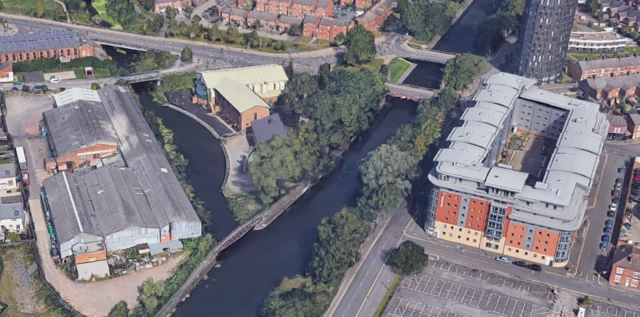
{"x": 245, "y": 206}
{"x": 48, "y": 65}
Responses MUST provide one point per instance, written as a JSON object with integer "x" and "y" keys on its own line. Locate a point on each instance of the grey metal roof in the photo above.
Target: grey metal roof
{"x": 323, "y": 3}
{"x": 5, "y": 65}
{"x": 310, "y": 19}
{"x": 238, "y": 12}
{"x": 7, "y": 170}
{"x": 635, "y": 118}
{"x": 77, "y": 125}
{"x": 505, "y": 178}
{"x": 12, "y": 211}
{"x": 11, "y": 199}
{"x": 266, "y": 128}
{"x": 342, "y": 22}
{"x": 304, "y": 2}
{"x": 609, "y": 83}
{"x": 142, "y": 152}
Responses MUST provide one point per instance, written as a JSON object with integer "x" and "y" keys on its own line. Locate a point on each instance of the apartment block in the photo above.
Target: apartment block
{"x": 626, "y": 267}
{"x": 525, "y": 202}
{"x": 594, "y": 42}
{"x": 63, "y": 45}
{"x": 604, "y": 67}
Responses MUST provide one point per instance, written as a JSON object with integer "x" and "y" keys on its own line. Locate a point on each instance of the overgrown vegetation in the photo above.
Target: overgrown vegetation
{"x": 46, "y": 9}
{"x": 361, "y": 46}
{"x": 340, "y": 236}
{"x": 463, "y": 70}
{"x": 173, "y": 83}
{"x": 147, "y": 61}
{"x": 426, "y": 19}
{"x": 339, "y": 105}
{"x": 130, "y": 15}
{"x": 387, "y": 296}
{"x": 28, "y": 297}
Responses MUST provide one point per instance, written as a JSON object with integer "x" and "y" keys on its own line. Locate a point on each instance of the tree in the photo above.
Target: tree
{"x": 425, "y": 19}
{"x": 585, "y": 302}
{"x": 44, "y": 88}
{"x": 626, "y": 108}
{"x": 323, "y": 75}
{"x": 510, "y": 7}
{"x": 339, "y": 239}
{"x": 232, "y": 35}
{"x": 594, "y": 6}
{"x": 119, "y": 310}
{"x": 274, "y": 163}
{"x": 150, "y": 292}
{"x": 288, "y": 70}
{"x": 360, "y": 45}
{"x": 409, "y": 258}
{"x": 195, "y": 21}
{"x": 307, "y": 300}
{"x": 252, "y": 39}
{"x": 170, "y": 12}
{"x": 40, "y": 9}
{"x": 187, "y": 54}
{"x": 339, "y": 39}
{"x": 1, "y": 7}
{"x": 256, "y": 24}
{"x": 148, "y": 5}
{"x": 384, "y": 70}
{"x": 214, "y": 33}
{"x": 387, "y": 172}
{"x": 295, "y": 30}
{"x": 188, "y": 10}
{"x": 462, "y": 71}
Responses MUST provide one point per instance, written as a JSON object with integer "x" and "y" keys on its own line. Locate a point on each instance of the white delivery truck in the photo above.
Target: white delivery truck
{"x": 22, "y": 158}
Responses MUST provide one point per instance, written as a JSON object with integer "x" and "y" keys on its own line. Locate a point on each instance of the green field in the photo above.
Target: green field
{"x": 101, "y": 73}
{"x": 79, "y": 73}
{"x": 373, "y": 65}
{"x": 101, "y": 7}
{"x": 28, "y": 7}
{"x": 397, "y": 68}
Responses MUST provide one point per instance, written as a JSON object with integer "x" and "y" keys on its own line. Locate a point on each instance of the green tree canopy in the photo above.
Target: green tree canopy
{"x": 187, "y": 54}
{"x": 119, "y": 310}
{"x": 232, "y": 35}
{"x": 513, "y": 8}
{"x": 426, "y": 19}
{"x": 361, "y": 46}
{"x": 150, "y": 292}
{"x": 409, "y": 258}
{"x": 462, "y": 70}
{"x": 295, "y": 30}
{"x": 339, "y": 239}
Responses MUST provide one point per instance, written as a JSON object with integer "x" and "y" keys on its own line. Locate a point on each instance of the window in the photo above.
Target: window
{"x": 636, "y": 275}
{"x": 517, "y": 251}
{"x": 468, "y": 231}
{"x": 475, "y": 233}
{"x": 617, "y": 279}
{"x": 459, "y": 237}
{"x": 444, "y": 226}
{"x": 509, "y": 249}
{"x": 96, "y": 156}
{"x": 474, "y": 240}
{"x": 535, "y": 255}
{"x": 619, "y": 270}
{"x": 526, "y": 253}
{"x": 543, "y": 255}
{"x": 634, "y": 283}
{"x": 467, "y": 239}
{"x": 488, "y": 245}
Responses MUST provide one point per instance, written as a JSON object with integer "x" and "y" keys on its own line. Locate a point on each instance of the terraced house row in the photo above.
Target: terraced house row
{"x": 515, "y": 176}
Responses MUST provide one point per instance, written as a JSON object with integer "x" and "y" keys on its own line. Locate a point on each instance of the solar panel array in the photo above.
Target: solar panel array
{"x": 33, "y": 46}
{"x": 38, "y": 36}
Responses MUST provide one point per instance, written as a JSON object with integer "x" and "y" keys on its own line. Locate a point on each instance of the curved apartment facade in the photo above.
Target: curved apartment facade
{"x": 526, "y": 202}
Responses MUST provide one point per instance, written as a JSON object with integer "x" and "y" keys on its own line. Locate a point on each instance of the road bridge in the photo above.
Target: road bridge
{"x": 432, "y": 56}
{"x": 410, "y": 92}
{"x": 120, "y": 45}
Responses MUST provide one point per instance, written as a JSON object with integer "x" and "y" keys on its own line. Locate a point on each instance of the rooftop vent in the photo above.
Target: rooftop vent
{"x": 16, "y": 213}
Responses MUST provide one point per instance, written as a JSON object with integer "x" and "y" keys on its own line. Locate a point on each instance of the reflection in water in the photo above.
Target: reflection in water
{"x": 256, "y": 264}
{"x": 428, "y": 75}
{"x": 462, "y": 36}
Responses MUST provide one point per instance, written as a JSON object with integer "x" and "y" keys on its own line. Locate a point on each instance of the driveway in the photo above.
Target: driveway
{"x": 24, "y": 114}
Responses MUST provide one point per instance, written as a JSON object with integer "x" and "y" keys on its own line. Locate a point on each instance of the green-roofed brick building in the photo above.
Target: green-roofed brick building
{"x": 241, "y": 94}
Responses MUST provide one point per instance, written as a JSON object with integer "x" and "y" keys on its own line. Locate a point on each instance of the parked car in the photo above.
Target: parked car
{"x": 627, "y": 226}
{"x": 534, "y": 267}
{"x": 615, "y": 200}
{"x": 520, "y": 263}
{"x": 611, "y": 214}
{"x": 619, "y": 180}
{"x": 636, "y": 171}
{"x": 617, "y": 186}
{"x": 607, "y": 230}
{"x": 613, "y": 206}
{"x": 609, "y": 222}
{"x": 605, "y": 238}
{"x": 621, "y": 170}
{"x": 502, "y": 259}
{"x": 54, "y": 80}
{"x": 604, "y": 246}
{"x": 14, "y": 89}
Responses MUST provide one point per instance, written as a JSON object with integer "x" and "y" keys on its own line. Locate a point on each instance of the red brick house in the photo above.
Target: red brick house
{"x": 267, "y": 21}
{"x": 63, "y": 45}
{"x": 324, "y": 8}
{"x": 341, "y": 26}
{"x": 605, "y": 67}
{"x": 633, "y": 121}
{"x": 325, "y": 29}
{"x": 362, "y": 4}
{"x": 224, "y": 14}
{"x": 626, "y": 268}
{"x": 6, "y": 72}
{"x": 373, "y": 18}
{"x": 611, "y": 89}
{"x": 285, "y": 23}
{"x": 279, "y": 7}
{"x": 262, "y": 5}
{"x": 309, "y": 25}
{"x": 302, "y": 8}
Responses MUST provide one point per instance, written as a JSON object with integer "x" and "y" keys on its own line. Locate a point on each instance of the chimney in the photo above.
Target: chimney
{"x": 629, "y": 258}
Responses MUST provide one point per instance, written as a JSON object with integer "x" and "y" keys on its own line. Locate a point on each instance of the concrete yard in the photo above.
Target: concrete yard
{"x": 446, "y": 289}
{"x": 240, "y": 180}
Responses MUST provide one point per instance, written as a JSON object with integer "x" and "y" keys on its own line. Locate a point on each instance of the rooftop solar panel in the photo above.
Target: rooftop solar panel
{"x": 38, "y": 37}
{"x": 39, "y": 45}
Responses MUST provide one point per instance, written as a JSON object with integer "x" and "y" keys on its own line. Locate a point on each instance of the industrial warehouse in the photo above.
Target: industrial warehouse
{"x": 515, "y": 177}
{"x": 114, "y": 201}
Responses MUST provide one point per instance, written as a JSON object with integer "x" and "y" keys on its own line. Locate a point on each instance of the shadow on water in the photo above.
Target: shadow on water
{"x": 206, "y": 167}
{"x": 428, "y": 75}
{"x": 462, "y": 36}
{"x": 256, "y": 264}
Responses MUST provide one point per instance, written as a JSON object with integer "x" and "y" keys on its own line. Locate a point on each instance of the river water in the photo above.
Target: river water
{"x": 256, "y": 264}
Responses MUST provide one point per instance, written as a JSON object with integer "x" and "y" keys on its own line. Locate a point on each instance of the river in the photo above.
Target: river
{"x": 462, "y": 36}
{"x": 256, "y": 264}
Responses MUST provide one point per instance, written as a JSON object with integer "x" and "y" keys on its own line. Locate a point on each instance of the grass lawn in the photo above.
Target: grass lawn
{"x": 397, "y": 68}
{"x": 20, "y": 285}
{"x": 101, "y": 7}
{"x": 303, "y": 39}
{"x": 79, "y": 73}
{"x": 373, "y": 65}
{"x": 28, "y": 7}
{"x": 101, "y": 73}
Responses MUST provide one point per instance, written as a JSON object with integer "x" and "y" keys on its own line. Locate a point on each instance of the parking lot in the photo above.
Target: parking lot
{"x": 446, "y": 289}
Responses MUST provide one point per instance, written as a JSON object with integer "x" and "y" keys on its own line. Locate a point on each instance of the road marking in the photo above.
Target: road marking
{"x": 346, "y": 289}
